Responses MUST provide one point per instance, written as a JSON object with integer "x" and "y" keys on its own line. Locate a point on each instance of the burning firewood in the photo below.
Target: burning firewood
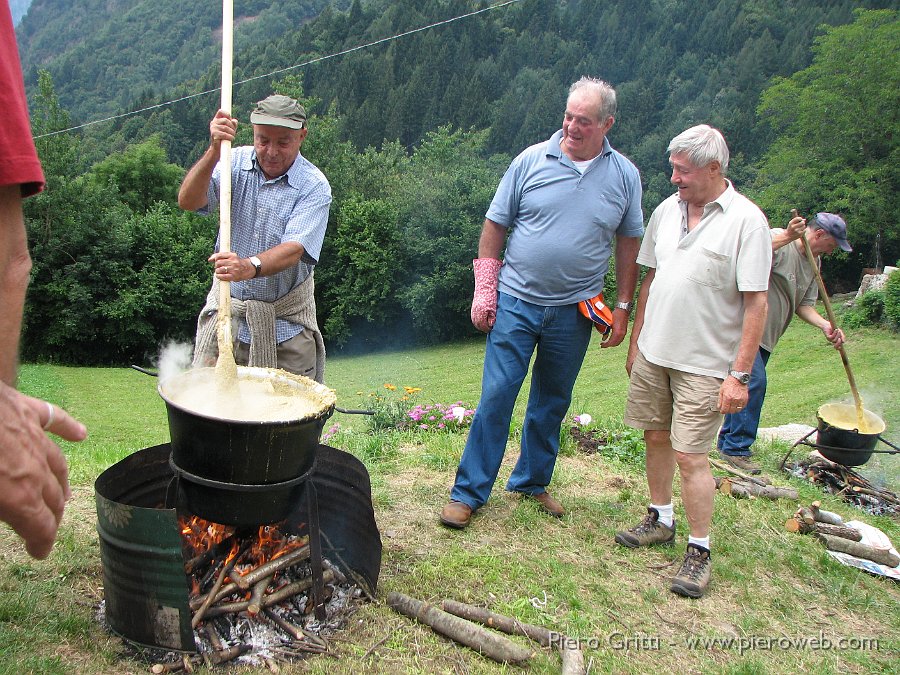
{"x": 226, "y": 570}
{"x": 241, "y": 578}
{"x": 846, "y": 483}
{"x": 465, "y": 632}
{"x": 254, "y": 605}
{"x": 245, "y": 581}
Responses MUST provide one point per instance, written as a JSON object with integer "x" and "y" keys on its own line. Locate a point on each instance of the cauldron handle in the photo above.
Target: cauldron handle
{"x": 887, "y": 442}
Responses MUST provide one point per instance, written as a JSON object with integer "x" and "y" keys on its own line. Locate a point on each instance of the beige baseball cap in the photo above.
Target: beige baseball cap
{"x": 280, "y": 111}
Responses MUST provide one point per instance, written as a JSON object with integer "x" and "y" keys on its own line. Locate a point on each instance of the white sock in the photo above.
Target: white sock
{"x": 665, "y": 514}
{"x": 702, "y": 542}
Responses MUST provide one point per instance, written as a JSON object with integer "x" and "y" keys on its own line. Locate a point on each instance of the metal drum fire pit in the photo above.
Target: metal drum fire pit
{"x": 243, "y": 471}
{"x": 145, "y": 584}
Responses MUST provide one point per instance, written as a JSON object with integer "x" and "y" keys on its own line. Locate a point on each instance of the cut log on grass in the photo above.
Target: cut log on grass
{"x": 507, "y": 624}
{"x": 489, "y": 644}
{"x": 822, "y": 516}
{"x": 742, "y": 490}
{"x": 882, "y": 556}
{"x": 802, "y": 527}
{"x": 813, "y": 514}
{"x": 572, "y": 657}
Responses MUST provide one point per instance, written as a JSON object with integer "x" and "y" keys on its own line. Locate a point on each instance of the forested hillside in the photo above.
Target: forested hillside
{"x": 106, "y": 56}
{"x": 674, "y": 62}
{"x": 414, "y": 132}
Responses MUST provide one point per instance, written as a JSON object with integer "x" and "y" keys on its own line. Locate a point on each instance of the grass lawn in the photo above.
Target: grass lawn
{"x": 786, "y": 604}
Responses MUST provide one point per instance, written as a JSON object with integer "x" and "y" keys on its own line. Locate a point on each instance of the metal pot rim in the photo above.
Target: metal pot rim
{"x": 822, "y": 410}
{"x": 254, "y": 373}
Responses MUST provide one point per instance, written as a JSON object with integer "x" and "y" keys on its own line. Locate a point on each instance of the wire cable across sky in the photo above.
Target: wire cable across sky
{"x": 289, "y": 68}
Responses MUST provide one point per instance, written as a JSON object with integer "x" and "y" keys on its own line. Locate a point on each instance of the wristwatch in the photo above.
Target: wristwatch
{"x": 624, "y": 305}
{"x": 257, "y": 264}
{"x": 742, "y": 377}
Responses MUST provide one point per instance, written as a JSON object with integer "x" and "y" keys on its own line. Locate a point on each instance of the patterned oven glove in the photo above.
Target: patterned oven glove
{"x": 484, "y": 303}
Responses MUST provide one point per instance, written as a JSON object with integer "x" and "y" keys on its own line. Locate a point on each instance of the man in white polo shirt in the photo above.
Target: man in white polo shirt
{"x": 700, "y": 315}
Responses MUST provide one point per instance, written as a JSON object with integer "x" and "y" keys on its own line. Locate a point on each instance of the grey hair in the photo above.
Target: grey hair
{"x": 703, "y": 145}
{"x": 602, "y": 90}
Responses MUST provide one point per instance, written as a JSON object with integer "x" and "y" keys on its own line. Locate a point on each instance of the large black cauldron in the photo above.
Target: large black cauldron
{"x": 840, "y": 440}
{"x": 238, "y": 472}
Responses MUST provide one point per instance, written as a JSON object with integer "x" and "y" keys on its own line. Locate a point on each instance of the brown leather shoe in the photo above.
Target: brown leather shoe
{"x": 456, "y": 514}
{"x": 549, "y": 504}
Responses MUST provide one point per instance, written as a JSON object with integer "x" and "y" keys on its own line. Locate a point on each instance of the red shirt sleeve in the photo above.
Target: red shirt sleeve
{"x": 19, "y": 163}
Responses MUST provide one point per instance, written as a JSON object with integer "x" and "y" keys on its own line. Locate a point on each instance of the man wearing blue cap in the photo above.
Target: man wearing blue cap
{"x": 792, "y": 290}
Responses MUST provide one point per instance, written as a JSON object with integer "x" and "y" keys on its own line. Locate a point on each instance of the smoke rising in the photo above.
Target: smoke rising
{"x": 174, "y": 358}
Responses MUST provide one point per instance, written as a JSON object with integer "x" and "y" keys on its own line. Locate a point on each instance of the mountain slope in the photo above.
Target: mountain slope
{"x": 104, "y": 55}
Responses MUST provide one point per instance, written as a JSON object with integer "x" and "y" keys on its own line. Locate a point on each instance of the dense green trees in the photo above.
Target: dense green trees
{"x": 118, "y": 268}
{"x": 414, "y": 135}
{"x": 836, "y": 145}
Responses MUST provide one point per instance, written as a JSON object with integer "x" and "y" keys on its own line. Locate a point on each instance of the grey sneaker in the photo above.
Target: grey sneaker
{"x": 743, "y": 463}
{"x": 693, "y": 577}
{"x": 649, "y": 531}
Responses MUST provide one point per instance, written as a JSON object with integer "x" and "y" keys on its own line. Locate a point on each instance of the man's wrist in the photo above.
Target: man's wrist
{"x": 257, "y": 265}
{"x": 623, "y": 305}
{"x": 741, "y": 376}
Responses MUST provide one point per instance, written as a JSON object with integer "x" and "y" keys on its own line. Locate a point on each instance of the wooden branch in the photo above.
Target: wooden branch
{"x": 294, "y": 588}
{"x": 285, "y": 625}
{"x": 740, "y": 474}
{"x": 212, "y": 635}
{"x": 882, "y": 556}
{"x": 211, "y": 658}
{"x": 283, "y": 593}
{"x": 254, "y": 604}
{"x": 507, "y": 624}
{"x": 228, "y": 654}
{"x": 569, "y": 649}
{"x": 572, "y": 661}
{"x": 489, "y": 644}
{"x": 874, "y": 492}
{"x": 226, "y": 570}
{"x": 247, "y": 580}
{"x": 822, "y": 516}
{"x": 743, "y": 490}
{"x": 221, "y": 594}
{"x": 802, "y": 527}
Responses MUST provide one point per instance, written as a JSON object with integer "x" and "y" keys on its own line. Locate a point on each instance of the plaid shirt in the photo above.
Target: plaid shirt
{"x": 265, "y": 213}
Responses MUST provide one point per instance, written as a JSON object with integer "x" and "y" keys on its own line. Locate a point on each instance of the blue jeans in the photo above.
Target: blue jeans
{"x": 738, "y": 431}
{"x": 561, "y": 336}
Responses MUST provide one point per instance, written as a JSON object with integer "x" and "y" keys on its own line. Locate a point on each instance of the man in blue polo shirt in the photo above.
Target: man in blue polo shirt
{"x": 562, "y": 202}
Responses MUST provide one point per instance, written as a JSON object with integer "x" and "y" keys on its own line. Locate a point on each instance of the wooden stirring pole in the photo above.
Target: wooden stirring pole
{"x": 225, "y": 364}
{"x": 830, "y": 312}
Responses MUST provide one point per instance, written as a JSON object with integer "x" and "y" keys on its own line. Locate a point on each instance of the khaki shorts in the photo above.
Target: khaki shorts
{"x": 684, "y": 404}
{"x": 297, "y": 355}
